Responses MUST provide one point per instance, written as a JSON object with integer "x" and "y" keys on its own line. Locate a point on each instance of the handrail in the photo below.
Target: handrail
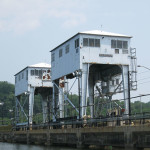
{"x": 76, "y": 123}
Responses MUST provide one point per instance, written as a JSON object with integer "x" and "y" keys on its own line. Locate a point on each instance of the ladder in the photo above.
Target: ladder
{"x": 133, "y": 69}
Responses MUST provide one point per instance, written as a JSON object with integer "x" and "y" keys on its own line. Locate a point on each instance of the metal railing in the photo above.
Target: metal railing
{"x": 134, "y": 119}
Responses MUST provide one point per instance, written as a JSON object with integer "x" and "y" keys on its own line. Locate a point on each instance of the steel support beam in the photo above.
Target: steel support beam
{"x": 83, "y": 105}
{"x": 61, "y": 103}
{"x": 55, "y": 99}
{"x": 31, "y": 104}
{"x": 125, "y": 70}
{"x": 44, "y": 108}
{"x": 91, "y": 94}
{"x": 54, "y": 117}
{"x": 17, "y": 109}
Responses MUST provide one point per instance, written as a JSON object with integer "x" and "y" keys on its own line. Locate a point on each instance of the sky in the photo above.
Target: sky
{"x": 29, "y": 29}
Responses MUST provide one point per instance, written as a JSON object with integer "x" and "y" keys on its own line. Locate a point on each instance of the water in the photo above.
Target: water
{"x": 17, "y": 146}
{"x": 14, "y": 146}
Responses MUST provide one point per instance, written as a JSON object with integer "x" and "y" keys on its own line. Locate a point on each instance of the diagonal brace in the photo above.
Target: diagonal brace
{"x": 22, "y": 109}
{"x": 66, "y": 98}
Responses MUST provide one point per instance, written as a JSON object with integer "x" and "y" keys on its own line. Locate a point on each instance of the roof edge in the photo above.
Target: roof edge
{"x": 29, "y": 67}
{"x": 125, "y": 36}
{"x": 65, "y": 42}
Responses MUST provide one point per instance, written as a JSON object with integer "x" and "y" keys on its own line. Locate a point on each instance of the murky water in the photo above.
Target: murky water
{"x": 12, "y": 146}
{"x": 16, "y": 146}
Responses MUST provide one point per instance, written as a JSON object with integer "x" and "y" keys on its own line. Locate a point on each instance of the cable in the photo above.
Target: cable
{"x": 143, "y": 83}
{"x": 72, "y": 85}
{"x": 143, "y": 72}
{"x": 136, "y": 96}
{"x": 143, "y": 79}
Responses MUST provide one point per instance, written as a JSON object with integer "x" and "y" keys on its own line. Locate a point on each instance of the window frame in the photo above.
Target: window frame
{"x": 67, "y": 48}
{"x": 60, "y": 52}
{"x": 119, "y": 44}
{"x": 19, "y": 77}
{"x": 22, "y": 75}
{"x": 117, "y": 81}
{"x": 113, "y": 43}
{"x": 26, "y": 74}
{"x": 40, "y": 74}
{"x": 32, "y": 72}
{"x": 15, "y": 79}
{"x": 85, "y": 45}
{"x": 116, "y": 50}
{"x": 53, "y": 57}
{"x": 36, "y": 72}
{"x": 99, "y": 43}
{"x": 77, "y": 43}
{"x": 91, "y": 42}
{"x": 122, "y": 45}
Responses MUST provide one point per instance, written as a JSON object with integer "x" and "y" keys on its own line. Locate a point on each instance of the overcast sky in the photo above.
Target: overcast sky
{"x": 29, "y": 29}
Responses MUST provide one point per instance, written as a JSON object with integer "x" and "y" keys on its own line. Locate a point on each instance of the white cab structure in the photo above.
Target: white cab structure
{"x": 99, "y": 60}
{"x": 32, "y": 80}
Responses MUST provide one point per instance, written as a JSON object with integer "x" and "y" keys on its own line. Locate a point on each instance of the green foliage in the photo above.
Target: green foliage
{"x": 138, "y": 107}
{"x": 7, "y": 96}
{"x": 70, "y": 111}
